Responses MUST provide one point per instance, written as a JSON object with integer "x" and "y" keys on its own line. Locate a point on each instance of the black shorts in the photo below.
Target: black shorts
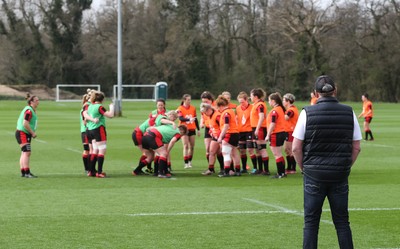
{"x": 289, "y": 136}
{"x": 22, "y": 137}
{"x": 277, "y": 139}
{"x": 232, "y": 139}
{"x": 137, "y": 137}
{"x": 262, "y": 133}
{"x": 246, "y": 136}
{"x": 207, "y": 132}
{"x": 191, "y": 133}
{"x": 84, "y": 137}
{"x": 99, "y": 134}
{"x": 151, "y": 141}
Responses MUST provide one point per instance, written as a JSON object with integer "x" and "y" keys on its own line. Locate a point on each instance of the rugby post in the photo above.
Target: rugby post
{"x": 118, "y": 101}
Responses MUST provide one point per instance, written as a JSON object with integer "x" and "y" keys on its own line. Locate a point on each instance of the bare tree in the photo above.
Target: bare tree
{"x": 23, "y": 36}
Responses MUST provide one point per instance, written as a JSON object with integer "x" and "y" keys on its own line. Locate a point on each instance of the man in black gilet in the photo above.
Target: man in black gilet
{"x": 326, "y": 144}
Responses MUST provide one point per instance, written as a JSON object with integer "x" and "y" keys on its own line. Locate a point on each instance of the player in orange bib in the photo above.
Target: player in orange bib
{"x": 229, "y": 137}
{"x": 368, "y": 114}
{"x": 187, "y": 116}
{"x": 291, "y": 117}
{"x": 276, "y": 134}
{"x": 206, "y": 98}
{"x": 228, "y": 96}
{"x": 258, "y": 123}
{"x": 314, "y": 99}
{"x": 214, "y": 132}
{"x": 246, "y": 136}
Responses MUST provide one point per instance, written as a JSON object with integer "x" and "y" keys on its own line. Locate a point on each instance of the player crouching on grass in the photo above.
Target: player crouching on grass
{"x": 137, "y": 137}
{"x": 161, "y": 140}
{"x": 97, "y": 132}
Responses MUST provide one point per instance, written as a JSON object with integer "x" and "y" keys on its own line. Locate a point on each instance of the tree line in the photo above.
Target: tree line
{"x": 197, "y": 45}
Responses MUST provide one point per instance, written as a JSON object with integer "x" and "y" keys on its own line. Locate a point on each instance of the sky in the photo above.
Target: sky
{"x": 97, "y": 3}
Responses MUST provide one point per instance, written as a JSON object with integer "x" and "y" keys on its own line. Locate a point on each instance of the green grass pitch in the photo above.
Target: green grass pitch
{"x": 63, "y": 208}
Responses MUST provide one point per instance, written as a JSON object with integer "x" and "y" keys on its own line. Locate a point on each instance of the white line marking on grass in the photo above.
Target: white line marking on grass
{"x": 45, "y": 142}
{"x": 281, "y": 210}
{"x": 379, "y": 145}
{"x": 204, "y": 213}
{"x": 372, "y": 209}
{"x": 74, "y": 150}
{"x": 298, "y": 213}
{"x": 61, "y": 174}
{"x": 273, "y": 206}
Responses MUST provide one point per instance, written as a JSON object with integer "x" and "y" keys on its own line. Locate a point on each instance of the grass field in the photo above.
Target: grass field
{"x": 63, "y": 208}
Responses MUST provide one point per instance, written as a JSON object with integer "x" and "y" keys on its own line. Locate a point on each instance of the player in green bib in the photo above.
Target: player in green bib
{"x": 160, "y": 140}
{"x": 87, "y": 147}
{"x": 137, "y": 136}
{"x": 97, "y": 134}
{"x": 26, "y": 130}
{"x": 161, "y": 110}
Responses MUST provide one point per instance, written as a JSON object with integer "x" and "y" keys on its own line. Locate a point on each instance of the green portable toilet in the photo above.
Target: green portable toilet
{"x": 161, "y": 90}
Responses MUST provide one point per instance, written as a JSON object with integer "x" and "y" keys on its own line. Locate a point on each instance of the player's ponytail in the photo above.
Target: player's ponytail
{"x": 29, "y": 98}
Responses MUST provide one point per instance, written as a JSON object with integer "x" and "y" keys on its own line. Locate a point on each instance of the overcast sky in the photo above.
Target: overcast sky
{"x": 96, "y": 3}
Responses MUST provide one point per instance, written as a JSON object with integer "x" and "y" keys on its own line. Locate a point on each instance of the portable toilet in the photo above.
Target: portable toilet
{"x": 161, "y": 90}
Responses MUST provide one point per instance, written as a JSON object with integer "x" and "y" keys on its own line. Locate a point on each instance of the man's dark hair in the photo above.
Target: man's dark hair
{"x": 325, "y": 86}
